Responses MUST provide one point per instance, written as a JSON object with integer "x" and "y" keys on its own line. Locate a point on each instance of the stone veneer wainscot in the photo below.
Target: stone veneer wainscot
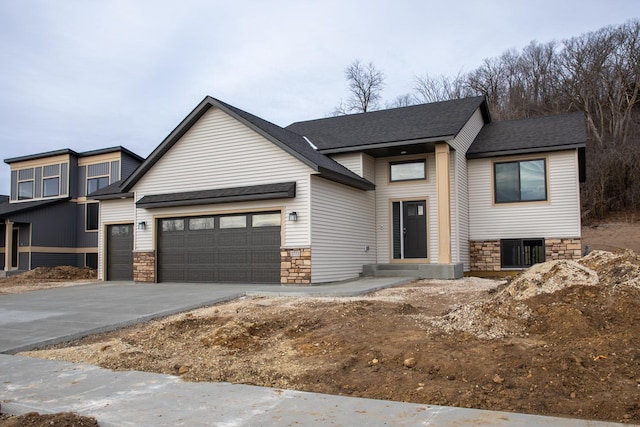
{"x": 144, "y": 266}
{"x": 295, "y": 266}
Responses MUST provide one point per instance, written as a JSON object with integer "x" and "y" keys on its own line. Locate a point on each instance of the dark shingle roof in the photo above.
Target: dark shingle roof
{"x": 438, "y": 120}
{"x": 532, "y": 135}
{"x": 221, "y": 195}
{"x": 73, "y": 153}
{"x": 289, "y": 141}
{"x": 113, "y": 191}
{"x": 7, "y": 208}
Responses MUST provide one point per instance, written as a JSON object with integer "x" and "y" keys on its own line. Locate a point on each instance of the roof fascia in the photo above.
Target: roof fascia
{"x": 112, "y": 196}
{"x": 386, "y": 144}
{"x": 525, "y": 151}
{"x": 343, "y": 179}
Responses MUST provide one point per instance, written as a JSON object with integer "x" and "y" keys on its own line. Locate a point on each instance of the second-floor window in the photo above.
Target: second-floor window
{"x": 520, "y": 181}
{"x": 50, "y": 187}
{"x": 25, "y": 190}
{"x": 95, "y": 184}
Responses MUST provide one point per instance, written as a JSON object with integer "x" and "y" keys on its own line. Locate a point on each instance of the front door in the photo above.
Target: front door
{"x": 410, "y": 229}
{"x": 15, "y": 242}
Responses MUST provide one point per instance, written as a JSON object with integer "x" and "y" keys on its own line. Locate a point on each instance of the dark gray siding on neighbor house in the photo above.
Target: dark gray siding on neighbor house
{"x": 129, "y": 164}
{"x": 23, "y": 261}
{"x": 14, "y": 185}
{"x": 52, "y": 226}
{"x": 73, "y": 177}
{"x": 63, "y": 178}
{"x": 2, "y": 240}
{"x": 38, "y": 183}
{"x": 40, "y": 259}
{"x": 85, "y": 239}
{"x": 114, "y": 174}
{"x": 82, "y": 181}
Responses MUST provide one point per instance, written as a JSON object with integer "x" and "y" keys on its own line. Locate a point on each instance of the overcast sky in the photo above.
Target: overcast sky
{"x": 85, "y": 75}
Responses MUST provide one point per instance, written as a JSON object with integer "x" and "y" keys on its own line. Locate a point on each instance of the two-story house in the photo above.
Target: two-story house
{"x": 434, "y": 189}
{"x": 48, "y": 218}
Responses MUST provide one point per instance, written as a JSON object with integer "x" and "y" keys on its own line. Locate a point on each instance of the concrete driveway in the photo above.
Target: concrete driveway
{"x": 34, "y": 319}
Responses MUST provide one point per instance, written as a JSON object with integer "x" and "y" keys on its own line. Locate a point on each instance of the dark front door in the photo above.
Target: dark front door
{"x": 410, "y": 229}
{"x": 120, "y": 252}
{"x": 15, "y": 242}
{"x": 415, "y": 229}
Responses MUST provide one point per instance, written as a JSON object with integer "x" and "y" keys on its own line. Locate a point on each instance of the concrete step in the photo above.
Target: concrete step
{"x": 418, "y": 271}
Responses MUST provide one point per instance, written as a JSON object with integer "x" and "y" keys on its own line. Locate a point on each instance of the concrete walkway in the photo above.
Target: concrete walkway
{"x": 37, "y": 318}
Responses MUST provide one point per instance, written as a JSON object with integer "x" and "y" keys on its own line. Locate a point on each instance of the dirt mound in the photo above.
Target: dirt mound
{"x": 51, "y": 274}
{"x": 33, "y": 419}
{"x": 510, "y": 311}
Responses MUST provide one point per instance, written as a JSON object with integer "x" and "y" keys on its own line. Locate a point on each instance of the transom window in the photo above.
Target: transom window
{"x": 520, "y": 181}
{"x": 408, "y": 170}
{"x": 95, "y": 184}
{"x": 237, "y": 221}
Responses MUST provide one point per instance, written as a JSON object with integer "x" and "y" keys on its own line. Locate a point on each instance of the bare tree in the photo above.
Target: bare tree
{"x": 440, "y": 88}
{"x": 404, "y": 100}
{"x": 365, "y": 84}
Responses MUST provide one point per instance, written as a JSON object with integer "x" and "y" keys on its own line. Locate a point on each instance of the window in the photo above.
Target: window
{"x": 201, "y": 223}
{"x": 95, "y": 184}
{"x": 50, "y": 187}
{"x": 238, "y": 221}
{"x": 520, "y": 181}
{"x": 92, "y": 216}
{"x": 408, "y": 170}
{"x": 172, "y": 225}
{"x": 266, "y": 220}
{"x": 521, "y": 253}
{"x": 91, "y": 260}
{"x": 25, "y": 190}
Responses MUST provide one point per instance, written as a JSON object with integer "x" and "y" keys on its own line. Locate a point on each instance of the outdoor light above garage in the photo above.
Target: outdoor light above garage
{"x": 293, "y": 216}
{"x": 142, "y": 225}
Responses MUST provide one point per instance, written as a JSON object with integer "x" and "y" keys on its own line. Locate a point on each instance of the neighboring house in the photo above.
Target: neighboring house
{"x": 48, "y": 218}
{"x": 436, "y": 188}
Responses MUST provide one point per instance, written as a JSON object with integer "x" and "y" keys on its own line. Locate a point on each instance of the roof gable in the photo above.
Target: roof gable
{"x": 290, "y": 142}
{"x": 419, "y": 123}
{"x": 532, "y": 135}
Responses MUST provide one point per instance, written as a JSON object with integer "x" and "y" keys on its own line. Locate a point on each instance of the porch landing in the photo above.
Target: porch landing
{"x": 416, "y": 271}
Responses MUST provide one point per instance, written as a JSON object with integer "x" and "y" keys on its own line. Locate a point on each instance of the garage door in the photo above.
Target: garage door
{"x": 120, "y": 252}
{"x": 223, "y": 248}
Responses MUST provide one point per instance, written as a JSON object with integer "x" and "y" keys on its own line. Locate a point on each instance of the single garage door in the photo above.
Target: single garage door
{"x": 120, "y": 252}
{"x": 222, "y": 248}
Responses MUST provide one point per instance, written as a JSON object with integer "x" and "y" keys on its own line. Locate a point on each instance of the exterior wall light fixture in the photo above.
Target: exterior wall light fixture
{"x": 142, "y": 225}
{"x": 293, "y": 216}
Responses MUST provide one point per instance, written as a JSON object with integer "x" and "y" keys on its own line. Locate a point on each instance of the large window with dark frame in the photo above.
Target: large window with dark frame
{"x": 521, "y": 253}
{"x": 95, "y": 184}
{"x": 520, "y": 181}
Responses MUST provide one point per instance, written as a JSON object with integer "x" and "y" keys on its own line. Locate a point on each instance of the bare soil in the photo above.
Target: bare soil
{"x": 34, "y": 419}
{"x": 47, "y": 277}
{"x": 562, "y": 338}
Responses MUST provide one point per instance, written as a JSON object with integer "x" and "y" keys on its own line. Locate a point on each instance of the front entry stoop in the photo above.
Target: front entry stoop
{"x": 416, "y": 271}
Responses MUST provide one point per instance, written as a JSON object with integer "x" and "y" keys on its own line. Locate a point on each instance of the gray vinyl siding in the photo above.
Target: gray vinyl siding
{"x": 82, "y": 181}
{"x": 25, "y": 174}
{"x": 460, "y": 191}
{"x": 220, "y": 152}
{"x": 351, "y": 161}
{"x": 115, "y": 172}
{"x": 14, "y": 185}
{"x": 38, "y": 183}
{"x": 342, "y": 225}
{"x": 557, "y": 217}
{"x": 129, "y": 164}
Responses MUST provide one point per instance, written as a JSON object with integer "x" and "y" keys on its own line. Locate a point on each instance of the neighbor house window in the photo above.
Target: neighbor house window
{"x": 408, "y": 170}
{"x": 95, "y": 184}
{"x": 521, "y": 253}
{"x": 25, "y": 190}
{"x": 92, "y": 216}
{"x": 50, "y": 187}
{"x": 520, "y": 181}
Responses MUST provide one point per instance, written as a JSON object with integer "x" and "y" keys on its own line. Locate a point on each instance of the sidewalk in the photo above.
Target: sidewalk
{"x": 144, "y": 399}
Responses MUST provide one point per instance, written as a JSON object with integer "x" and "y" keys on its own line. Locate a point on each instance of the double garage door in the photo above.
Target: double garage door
{"x": 220, "y": 248}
